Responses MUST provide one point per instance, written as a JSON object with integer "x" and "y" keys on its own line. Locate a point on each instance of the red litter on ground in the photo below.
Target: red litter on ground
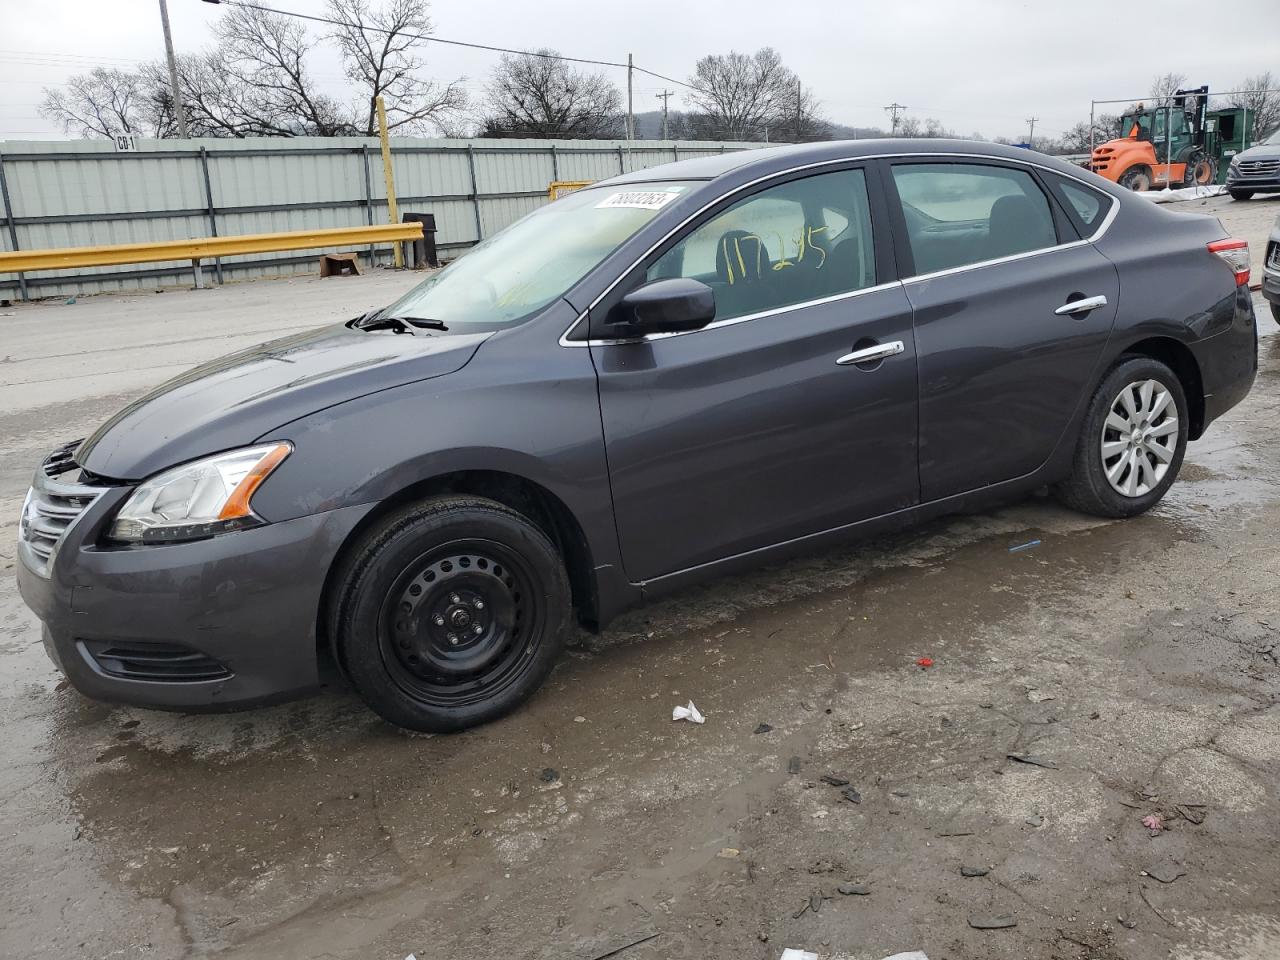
{"x": 924, "y": 663}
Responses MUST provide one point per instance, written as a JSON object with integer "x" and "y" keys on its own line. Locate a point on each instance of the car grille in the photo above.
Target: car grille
{"x": 1273, "y": 260}
{"x": 52, "y": 505}
{"x": 1258, "y": 168}
{"x": 165, "y": 662}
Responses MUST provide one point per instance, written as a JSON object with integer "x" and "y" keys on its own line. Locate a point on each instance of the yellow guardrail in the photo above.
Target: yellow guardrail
{"x": 204, "y": 248}
{"x": 558, "y": 188}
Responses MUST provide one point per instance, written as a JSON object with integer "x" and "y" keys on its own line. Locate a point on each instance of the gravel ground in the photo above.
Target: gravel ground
{"x": 1134, "y": 663}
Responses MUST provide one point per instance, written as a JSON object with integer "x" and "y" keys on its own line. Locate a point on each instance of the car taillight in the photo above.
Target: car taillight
{"x": 1236, "y": 254}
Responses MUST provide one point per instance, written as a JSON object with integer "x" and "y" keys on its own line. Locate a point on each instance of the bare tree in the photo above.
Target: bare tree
{"x": 1076, "y": 138}
{"x": 800, "y": 117}
{"x": 267, "y": 53}
{"x": 737, "y": 96}
{"x": 1164, "y": 87}
{"x": 380, "y": 55}
{"x": 535, "y": 95}
{"x": 1263, "y": 103}
{"x": 101, "y": 103}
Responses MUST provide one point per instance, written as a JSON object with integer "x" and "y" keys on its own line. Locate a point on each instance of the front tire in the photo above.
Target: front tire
{"x": 1137, "y": 179}
{"x": 450, "y": 613}
{"x": 1241, "y": 194}
{"x": 1132, "y": 442}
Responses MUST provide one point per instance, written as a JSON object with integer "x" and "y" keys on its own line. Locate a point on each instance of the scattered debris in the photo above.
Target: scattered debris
{"x": 793, "y": 954}
{"x": 614, "y": 951}
{"x": 549, "y": 775}
{"x": 1126, "y": 923}
{"x": 689, "y": 713}
{"x": 1035, "y": 820}
{"x": 956, "y": 833}
{"x": 900, "y": 793}
{"x": 1192, "y": 812}
{"x": 763, "y": 728}
{"x": 728, "y": 853}
{"x": 851, "y": 794}
{"x": 1038, "y": 696}
{"x": 815, "y": 901}
{"x": 70, "y": 300}
{"x": 974, "y": 871}
{"x": 1142, "y": 891}
{"x": 854, "y": 889}
{"x": 546, "y": 748}
{"x": 1153, "y": 822}
{"x": 1166, "y": 871}
{"x": 793, "y": 766}
{"x": 912, "y": 955}
{"x": 985, "y": 922}
{"x": 834, "y": 779}
{"x": 579, "y": 719}
{"x": 924, "y": 663}
{"x": 1024, "y": 546}
{"x": 985, "y": 706}
{"x": 1032, "y": 760}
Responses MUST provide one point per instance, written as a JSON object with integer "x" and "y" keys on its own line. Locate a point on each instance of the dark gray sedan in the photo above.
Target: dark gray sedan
{"x": 670, "y": 375}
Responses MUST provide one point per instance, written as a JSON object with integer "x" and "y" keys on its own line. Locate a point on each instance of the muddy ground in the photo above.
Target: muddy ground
{"x": 1135, "y": 661}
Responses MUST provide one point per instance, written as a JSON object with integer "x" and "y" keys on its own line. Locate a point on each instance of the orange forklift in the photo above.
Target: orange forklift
{"x": 1161, "y": 146}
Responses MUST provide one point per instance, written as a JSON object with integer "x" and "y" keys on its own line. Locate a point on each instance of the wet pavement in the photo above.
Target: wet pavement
{"x": 1135, "y": 662}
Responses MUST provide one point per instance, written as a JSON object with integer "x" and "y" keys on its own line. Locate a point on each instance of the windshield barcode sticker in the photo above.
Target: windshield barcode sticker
{"x": 638, "y": 199}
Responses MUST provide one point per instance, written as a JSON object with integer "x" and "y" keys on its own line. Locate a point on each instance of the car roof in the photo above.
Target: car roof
{"x": 767, "y": 160}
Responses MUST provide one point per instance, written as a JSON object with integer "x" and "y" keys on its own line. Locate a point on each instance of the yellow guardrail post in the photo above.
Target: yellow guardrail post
{"x": 204, "y": 248}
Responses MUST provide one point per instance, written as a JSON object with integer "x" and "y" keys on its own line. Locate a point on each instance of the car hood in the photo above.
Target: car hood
{"x": 234, "y": 400}
{"x": 1263, "y": 151}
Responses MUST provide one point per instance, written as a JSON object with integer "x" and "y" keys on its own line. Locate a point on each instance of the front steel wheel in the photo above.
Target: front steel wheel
{"x": 449, "y": 613}
{"x": 1132, "y": 441}
{"x": 1137, "y": 179}
{"x": 1139, "y": 438}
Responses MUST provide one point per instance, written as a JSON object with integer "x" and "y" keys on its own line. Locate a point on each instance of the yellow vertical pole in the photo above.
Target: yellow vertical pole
{"x": 393, "y": 213}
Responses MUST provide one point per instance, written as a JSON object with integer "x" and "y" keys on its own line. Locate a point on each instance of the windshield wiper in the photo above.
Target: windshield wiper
{"x": 374, "y": 321}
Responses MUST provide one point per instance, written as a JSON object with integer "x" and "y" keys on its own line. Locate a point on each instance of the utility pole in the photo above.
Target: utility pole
{"x": 1031, "y": 134}
{"x": 631, "y": 117}
{"x": 664, "y": 96}
{"x": 893, "y": 109}
{"x": 179, "y": 113}
{"x": 393, "y": 211}
{"x": 799, "y": 104}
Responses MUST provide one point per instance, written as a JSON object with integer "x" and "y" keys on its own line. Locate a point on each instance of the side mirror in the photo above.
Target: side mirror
{"x": 673, "y": 305}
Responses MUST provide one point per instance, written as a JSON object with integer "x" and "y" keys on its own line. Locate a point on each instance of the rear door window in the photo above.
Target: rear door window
{"x": 801, "y": 240}
{"x": 962, "y": 213}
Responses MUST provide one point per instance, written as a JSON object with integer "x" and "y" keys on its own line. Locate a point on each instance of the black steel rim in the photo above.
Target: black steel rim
{"x": 461, "y": 623}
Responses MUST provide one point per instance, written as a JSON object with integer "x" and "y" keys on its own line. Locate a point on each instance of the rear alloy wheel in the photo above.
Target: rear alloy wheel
{"x": 1137, "y": 179}
{"x": 1132, "y": 443}
{"x": 450, "y": 613}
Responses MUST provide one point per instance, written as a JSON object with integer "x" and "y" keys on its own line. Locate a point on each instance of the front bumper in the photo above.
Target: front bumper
{"x": 1266, "y": 180}
{"x": 228, "y": 621}
{"x": 1271, "y": 269}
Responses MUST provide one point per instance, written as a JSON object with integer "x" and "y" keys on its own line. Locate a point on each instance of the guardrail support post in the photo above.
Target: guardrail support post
{"x": 622, "y": 163}
{"x": 475, "y": 190}
{"x": 195, "y": 265}
{"x": 555, "y": 163}
{"x": 13, "y": 230}
{"x": 368, "y": 198}
{"x": 213, "y": 219}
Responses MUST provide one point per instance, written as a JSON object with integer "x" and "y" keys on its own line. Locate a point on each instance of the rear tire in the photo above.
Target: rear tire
{"x": 1241, "y": 194}
{"x": 450, "y": 613}
{"x": 1275, "y": 312}
{"x": 1131, "y": 443}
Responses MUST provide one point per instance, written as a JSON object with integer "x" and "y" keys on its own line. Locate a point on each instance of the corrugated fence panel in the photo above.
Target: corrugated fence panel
{"x": 83, "y": 193}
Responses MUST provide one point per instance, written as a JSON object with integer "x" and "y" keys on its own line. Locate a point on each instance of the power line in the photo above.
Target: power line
{"x": 893, "y": 109}
{"x": 417, "y": 36}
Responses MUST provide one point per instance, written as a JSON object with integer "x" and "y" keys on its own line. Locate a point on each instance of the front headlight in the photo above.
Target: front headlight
{"x": 198, "y": 499}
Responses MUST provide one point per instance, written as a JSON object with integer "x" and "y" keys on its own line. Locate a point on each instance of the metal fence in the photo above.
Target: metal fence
{"x": 86, "y": 193}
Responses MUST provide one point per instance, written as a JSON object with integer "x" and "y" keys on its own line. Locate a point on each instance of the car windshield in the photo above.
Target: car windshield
{"x": 521, "y": 269}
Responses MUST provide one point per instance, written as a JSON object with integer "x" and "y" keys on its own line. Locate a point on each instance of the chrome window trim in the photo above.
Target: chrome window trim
{"x": 1105, "y": 225}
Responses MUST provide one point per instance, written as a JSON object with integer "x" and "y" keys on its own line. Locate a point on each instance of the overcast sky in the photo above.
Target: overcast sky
{"x": 976, "y": 65}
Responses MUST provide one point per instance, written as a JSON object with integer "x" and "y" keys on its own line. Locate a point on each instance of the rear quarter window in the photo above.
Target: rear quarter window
{"x": 1086, "y": 207}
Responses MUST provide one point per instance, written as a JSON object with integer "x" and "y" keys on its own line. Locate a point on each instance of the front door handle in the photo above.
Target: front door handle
{"x": 1083, "y": 305}
{"x": 871, "y": 354}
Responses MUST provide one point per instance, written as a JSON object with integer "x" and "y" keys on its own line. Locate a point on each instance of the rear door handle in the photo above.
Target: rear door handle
{"x": 871, "y": 354}
{"x": 1083, "y": 305}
